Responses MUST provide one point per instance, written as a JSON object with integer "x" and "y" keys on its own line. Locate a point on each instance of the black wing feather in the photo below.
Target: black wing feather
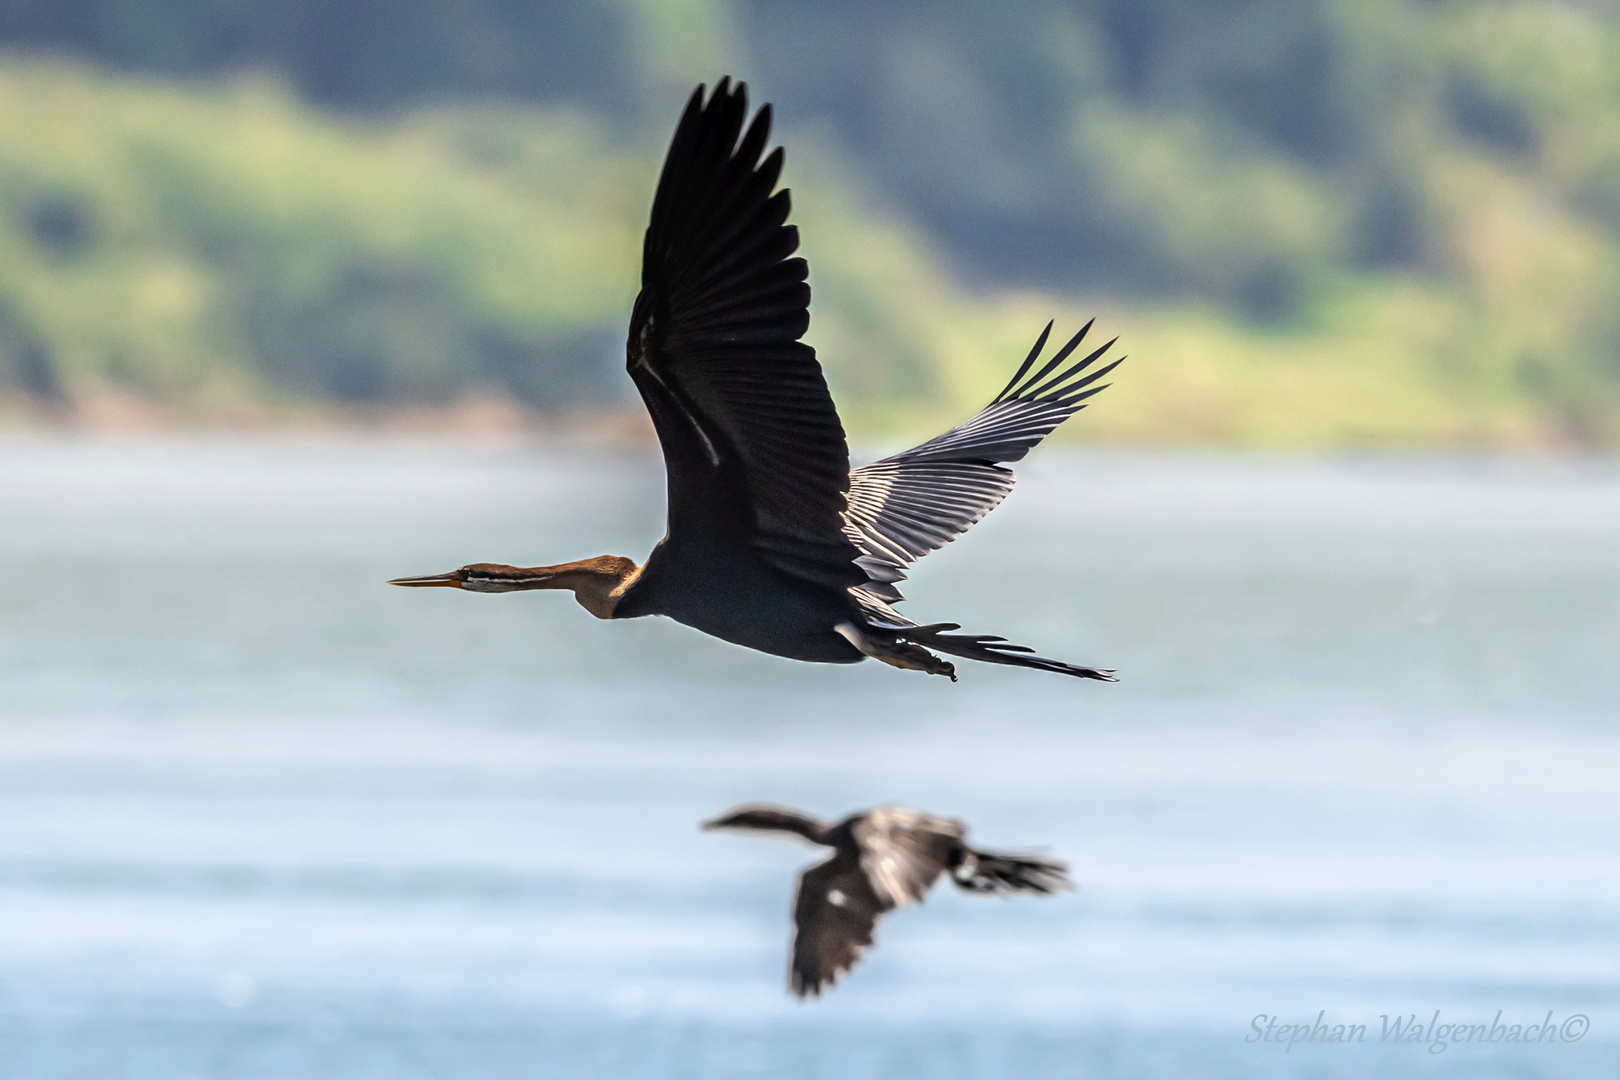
{"x": 904, "y": 506}
{"x": 834, "y": 916}
{"x": 739, "y": 402}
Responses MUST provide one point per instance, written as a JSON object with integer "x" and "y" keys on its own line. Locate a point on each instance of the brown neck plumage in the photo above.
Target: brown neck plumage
{"x": 598, "y": 584}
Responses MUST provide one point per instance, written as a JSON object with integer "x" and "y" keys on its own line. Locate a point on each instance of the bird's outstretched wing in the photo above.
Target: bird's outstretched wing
{"x": 751, "y": 440}
{"x": 904, "y": 506}
{"x": 833, "y": 919}
{"x": 903, "y": 851}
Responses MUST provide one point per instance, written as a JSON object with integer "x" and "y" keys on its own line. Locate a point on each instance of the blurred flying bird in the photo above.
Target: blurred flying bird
{"x": 773, "y": 541}
{"x": 882, "y": 859}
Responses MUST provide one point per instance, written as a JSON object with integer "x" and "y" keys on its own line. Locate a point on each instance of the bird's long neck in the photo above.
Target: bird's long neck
{"x": 598, "y": 583}
{"x": 779, "y": 819}
{"x": 813, "y": 831}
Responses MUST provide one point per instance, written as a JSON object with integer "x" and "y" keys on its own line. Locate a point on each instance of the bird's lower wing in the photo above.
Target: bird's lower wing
{"x": 904, "y": 506}
{"x": 834, "y": 916}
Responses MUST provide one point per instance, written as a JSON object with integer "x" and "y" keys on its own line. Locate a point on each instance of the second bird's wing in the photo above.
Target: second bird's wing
{"x": 903, "y": 851}
{"x": 834, "y": 916}
{"x": 752, "y": 444}
{"x": 904, "y": 506}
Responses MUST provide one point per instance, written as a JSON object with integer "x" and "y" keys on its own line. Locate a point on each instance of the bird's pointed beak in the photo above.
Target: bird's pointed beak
{"x": 452, "y": 580}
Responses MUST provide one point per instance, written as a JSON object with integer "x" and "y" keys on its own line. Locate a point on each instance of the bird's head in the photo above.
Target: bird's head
{"x": 596, "y": 583}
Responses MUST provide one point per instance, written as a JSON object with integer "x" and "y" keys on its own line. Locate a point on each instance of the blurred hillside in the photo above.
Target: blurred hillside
{"x": 1315, "y": 222}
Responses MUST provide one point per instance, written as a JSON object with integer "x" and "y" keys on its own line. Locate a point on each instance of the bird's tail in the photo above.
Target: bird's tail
{"x": 994, "y": 874}
{"x": 998, "y": 650}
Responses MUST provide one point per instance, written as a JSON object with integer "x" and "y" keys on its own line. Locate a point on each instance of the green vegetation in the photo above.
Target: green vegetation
{"x": 221, "y": 247}
{"x": 1420, "y": 246}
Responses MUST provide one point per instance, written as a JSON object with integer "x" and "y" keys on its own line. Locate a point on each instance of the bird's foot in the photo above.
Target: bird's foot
{"x": 896, "y": 652}
{"x": 913, "y": 657}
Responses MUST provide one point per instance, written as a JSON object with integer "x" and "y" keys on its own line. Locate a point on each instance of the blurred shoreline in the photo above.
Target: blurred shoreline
{"x": 498, "y": 419}
{"x": 472, "y": 419}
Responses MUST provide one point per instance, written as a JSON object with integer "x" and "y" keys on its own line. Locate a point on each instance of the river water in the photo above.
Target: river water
{"x": 262, "y": 816}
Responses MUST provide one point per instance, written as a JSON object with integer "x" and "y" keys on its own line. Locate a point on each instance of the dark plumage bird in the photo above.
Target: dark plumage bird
{"x": 774, "y": 543}
{"x": 882, "y": 859}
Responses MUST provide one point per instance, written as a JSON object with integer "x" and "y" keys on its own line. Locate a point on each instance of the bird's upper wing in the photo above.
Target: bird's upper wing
{"x": 903, "y": 852}
{"x": 833, "y": 919}
{"x": 748, "y": 429}
{"x": 904, "y": 506}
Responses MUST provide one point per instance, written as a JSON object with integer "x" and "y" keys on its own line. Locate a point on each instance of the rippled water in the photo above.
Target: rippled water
{"x": 263, "y": 817}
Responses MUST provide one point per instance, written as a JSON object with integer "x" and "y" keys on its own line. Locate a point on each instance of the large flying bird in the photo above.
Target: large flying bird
{"x": 882, "y": 859}
{"x": 773, "y": 541}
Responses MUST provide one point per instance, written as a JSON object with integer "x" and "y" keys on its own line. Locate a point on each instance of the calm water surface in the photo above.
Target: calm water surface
{"x": 262, "y": 816}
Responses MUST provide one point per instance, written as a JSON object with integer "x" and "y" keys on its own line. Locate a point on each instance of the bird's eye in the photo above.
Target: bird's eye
{"x": 836, "y": 898}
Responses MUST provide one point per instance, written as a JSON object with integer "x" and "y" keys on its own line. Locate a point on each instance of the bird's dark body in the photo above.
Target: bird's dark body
{"x": 727, "y": 591}
{"x": 708, "y": 571}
